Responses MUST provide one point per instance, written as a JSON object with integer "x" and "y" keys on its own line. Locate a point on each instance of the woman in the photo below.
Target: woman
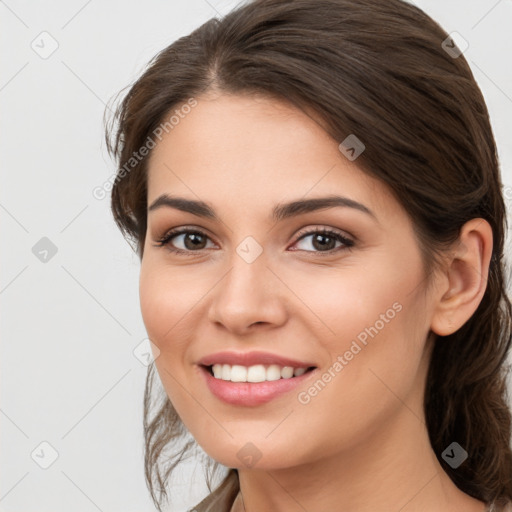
{"x": 313, "y": 189}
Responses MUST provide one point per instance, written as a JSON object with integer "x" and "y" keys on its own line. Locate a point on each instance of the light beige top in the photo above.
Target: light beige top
{"x": 222, "y": 498}
{"x": 493, "y": 508}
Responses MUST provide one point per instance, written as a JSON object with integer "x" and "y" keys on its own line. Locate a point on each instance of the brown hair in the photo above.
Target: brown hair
{"x": 378, "y": 70}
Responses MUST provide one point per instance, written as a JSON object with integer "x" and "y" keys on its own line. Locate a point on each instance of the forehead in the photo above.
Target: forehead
{"x": 254, "y": 148}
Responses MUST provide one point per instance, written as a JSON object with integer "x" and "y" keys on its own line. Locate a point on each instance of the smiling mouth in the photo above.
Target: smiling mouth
{"x": 256, "y": 373}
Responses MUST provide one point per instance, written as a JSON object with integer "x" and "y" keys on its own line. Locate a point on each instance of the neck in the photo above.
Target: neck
{"x": 395, "y": 469}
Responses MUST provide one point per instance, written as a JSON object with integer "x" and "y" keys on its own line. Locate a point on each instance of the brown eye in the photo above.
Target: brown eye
{"x": 324, "y": 241}
{"x": 190, "y": 240}
{"x": 194, "y": 241}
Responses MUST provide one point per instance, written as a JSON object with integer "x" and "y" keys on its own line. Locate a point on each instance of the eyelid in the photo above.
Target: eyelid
{"x": 164, "y": 240}
{"x": 323, "y": 229}
{"x": 346, "y": 240}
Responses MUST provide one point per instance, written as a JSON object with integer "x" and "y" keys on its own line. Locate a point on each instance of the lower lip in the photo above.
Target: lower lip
{"x": 251, "y": 393}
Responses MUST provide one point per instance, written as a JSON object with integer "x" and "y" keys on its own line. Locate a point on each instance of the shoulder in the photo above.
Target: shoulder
{"x": 494, "y": 507}
{"x": 222, "y": 498}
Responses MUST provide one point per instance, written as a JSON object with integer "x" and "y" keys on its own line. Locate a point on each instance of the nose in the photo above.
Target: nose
{"x": 248, "y": 297}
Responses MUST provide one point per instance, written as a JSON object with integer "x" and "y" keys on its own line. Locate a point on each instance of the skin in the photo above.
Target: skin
{"x": 361, "y": 442}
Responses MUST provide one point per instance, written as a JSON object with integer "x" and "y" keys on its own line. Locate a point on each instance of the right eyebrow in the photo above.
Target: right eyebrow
{"x": 280, "y": 211}
{"x": 198, "y": 208}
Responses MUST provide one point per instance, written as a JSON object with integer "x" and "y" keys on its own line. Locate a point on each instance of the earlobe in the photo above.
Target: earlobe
{"x": 464, "y": 277}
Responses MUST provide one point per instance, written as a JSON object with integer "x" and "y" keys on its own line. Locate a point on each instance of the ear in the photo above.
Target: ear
{"x": 464, "y": 279}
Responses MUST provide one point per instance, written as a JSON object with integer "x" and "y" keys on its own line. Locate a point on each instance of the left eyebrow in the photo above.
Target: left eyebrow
{"x": 280, "y": 212}
{"x": 300, "y": 206}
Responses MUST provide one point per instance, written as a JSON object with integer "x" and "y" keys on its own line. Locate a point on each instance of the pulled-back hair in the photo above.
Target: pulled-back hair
{"x": 386, "y": 72}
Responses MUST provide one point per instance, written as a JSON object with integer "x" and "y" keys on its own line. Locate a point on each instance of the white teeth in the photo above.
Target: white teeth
{"x": 217, "y": 371}
{"x": 238, "y": 373}
{"x": 287, "y": 372}
{"x": 256, "y": 373}
{"x": 273, "y": 372}
{"x": 226, "y": 372}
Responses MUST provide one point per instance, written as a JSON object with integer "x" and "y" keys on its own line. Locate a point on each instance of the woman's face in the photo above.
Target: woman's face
{"x": 352, "y": 303}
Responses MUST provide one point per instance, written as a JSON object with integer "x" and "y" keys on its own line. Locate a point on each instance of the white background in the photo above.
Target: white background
{"x": 69, "y": 326}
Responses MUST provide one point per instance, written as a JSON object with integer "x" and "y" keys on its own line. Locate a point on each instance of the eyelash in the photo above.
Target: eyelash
{"x": 165, "y": 240}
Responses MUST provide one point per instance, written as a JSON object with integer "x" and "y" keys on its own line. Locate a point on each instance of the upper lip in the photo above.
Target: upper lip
{"x": 251, "y": 359}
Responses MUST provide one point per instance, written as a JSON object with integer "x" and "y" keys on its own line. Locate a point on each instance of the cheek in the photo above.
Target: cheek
{"x": 164, "y": 307}
{"x": 155, "y": 304}
{"x": 373, "y": 328}
{"x": 353, "y": 303}
{"x": 167, "y": 297}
